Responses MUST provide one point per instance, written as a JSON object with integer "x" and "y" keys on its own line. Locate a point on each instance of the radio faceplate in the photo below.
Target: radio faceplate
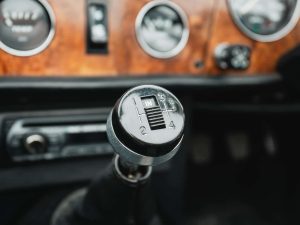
{"x": 46, "y": 138}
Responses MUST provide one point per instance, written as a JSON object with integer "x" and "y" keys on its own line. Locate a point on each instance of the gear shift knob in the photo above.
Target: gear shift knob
{"x": 146, "y": 126}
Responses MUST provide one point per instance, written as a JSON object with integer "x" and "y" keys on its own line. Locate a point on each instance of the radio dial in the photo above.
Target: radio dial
{"x": 35, "y": 144}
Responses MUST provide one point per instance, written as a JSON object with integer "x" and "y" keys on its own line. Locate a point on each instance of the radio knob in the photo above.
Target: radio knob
{"x": 35, "y": 144}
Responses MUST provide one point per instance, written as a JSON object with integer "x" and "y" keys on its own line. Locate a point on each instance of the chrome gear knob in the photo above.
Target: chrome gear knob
{"x": 146, "y": 126}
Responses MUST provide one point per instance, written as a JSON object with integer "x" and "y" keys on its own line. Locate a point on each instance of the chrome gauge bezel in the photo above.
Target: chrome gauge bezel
{"x": 268, "y": 37}
{"x": 44, "y": 45}
{"x": 185, "y": 35}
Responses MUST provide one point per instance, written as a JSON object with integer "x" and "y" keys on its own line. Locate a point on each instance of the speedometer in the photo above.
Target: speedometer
{"x": 265, "y": 20}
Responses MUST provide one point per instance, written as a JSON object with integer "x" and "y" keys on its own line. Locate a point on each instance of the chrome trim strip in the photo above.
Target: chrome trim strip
{"x": 187, "y": 81}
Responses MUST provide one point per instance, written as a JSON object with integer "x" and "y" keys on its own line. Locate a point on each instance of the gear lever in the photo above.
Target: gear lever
{"x": 145, "y": 128}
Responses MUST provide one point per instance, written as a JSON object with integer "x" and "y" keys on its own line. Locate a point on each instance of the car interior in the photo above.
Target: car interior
{"x": 149, "y": 112}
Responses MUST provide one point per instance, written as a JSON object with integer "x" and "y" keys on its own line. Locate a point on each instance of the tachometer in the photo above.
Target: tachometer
{"x": 265, "y": 20}
{"x": 26, "y": 26}
{"x": 162, "y": 29}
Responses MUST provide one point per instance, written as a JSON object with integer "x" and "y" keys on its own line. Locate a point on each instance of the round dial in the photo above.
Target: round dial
{"x": 162, "y": 29}
{"x": 26, "y": 26}
{"x": 265, "y": 20}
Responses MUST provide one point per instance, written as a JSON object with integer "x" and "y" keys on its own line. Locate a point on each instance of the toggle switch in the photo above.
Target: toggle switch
{"x": 97, "y": 32}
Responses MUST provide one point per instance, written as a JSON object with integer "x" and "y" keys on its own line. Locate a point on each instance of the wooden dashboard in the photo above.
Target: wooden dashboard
{"x": 210, "y": 25}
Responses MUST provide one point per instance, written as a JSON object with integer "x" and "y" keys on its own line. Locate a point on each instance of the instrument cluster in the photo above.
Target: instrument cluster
{"x": 170, "y": 36}
{"x": 27, "y": 26}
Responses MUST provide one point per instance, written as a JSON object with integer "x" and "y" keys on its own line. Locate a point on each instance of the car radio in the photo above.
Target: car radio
{"x": 45, "y": 138}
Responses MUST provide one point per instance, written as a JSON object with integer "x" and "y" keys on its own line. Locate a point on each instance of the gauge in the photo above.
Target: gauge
{"x": 265, "y": 20}
{"x": 26, "y": 26}
{"x": 162, "y": 29}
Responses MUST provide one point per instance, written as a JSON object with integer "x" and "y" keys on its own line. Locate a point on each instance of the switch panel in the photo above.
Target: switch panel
{"x": 97, "y": 30}
{"x": 233, "y": 56}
